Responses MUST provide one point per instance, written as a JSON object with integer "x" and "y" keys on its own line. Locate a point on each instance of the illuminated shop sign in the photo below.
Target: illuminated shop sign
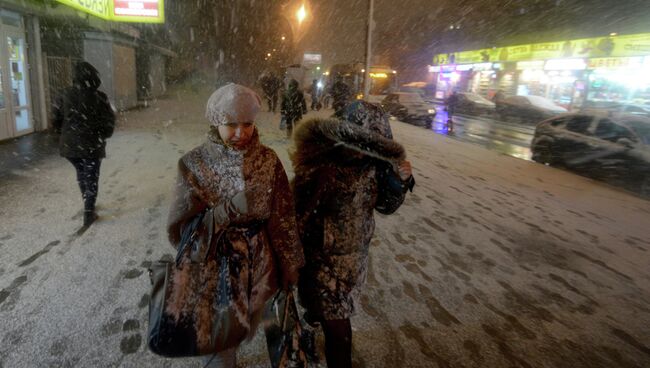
{"x": 616, "y": 63}
{"x": 530, "y": 65}
{"x": 310, "y": 58}
{"x": 434, "y": 69}
{"x": 136, "y": 11}
{"x": 565, "y": 64}
{"x": 98, "y": 8}
{"x": 598, "y": 47}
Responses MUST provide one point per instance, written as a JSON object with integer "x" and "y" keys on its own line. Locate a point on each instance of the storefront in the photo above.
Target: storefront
{"x": 559, "y": 80}
{"x": 622, "y": 80}
{"x": 16, "y": 115}
{"x": 610, "y": 68}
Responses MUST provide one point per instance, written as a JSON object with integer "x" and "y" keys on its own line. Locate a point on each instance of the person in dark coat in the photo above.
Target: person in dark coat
{"x": 85, "y": 119}
{"x": 293, "y": 106}
{"x": 271, "y": 86}
{"x": 314, "y": 92}
{"x": 338, "y": 167}
{"x": 341, "y": 96}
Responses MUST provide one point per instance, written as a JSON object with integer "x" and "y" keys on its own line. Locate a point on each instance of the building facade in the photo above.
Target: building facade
{"x": 41, "y": 42}
{"x": 615, "y": 68}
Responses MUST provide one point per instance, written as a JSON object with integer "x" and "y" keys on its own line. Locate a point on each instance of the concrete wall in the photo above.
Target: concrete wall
{"x": 116, "y": 64}
{"x": 157, "y": 75}
{"x": 98, "y": 50}
{"x": 124, "y": 77}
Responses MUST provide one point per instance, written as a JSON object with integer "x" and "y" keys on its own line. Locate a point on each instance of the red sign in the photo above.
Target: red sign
{"x": 138, "y": 8}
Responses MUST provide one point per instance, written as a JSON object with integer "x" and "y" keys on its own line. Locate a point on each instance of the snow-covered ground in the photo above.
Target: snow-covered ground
{"x": 491, "y": 262}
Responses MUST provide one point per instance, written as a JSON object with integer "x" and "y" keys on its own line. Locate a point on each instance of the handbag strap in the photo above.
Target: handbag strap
{"x": 189, "y": 234}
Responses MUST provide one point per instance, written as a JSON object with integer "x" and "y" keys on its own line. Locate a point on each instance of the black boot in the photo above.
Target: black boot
{"x": 89, "y": 217}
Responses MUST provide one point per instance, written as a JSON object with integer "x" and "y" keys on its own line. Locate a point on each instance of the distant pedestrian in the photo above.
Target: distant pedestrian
{"x": 293, "y": 106}
{"x": 341, "y": 96}
{"x": 271, "y": 85}
{"x": 85, "y": 119}
{"x": 344, "y": 171}
{"x": 498, "y": 96}
{"x": 452, "y": 104}
{"x": 315, "y": 94}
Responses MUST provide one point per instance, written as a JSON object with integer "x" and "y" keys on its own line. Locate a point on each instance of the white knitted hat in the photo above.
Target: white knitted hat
{"x": 233, "y": 103}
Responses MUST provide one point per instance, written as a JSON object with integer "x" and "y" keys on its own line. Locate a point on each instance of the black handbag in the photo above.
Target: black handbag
{"x": 390, "y": 188}
{"x": 289, "y": 343}
{"x": 191, "y": 311}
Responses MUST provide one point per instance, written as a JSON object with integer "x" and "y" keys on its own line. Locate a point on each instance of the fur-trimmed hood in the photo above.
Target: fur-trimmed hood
{"x": 327, "y": 140}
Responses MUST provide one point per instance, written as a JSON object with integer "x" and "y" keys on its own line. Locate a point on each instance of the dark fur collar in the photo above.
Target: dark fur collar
{"x": 325, "y": 140}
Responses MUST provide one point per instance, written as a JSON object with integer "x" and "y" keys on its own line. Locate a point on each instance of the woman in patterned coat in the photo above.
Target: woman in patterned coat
{"x": 245, "y": 188}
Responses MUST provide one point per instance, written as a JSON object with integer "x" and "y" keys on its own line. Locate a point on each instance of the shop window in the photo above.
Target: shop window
{"x": 11, "y": 19}
{"x": 609, "y": 131}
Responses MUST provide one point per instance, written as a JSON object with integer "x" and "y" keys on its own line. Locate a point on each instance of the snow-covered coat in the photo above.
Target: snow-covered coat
{"x": 213, "y": 173}
{"x": 84, "y": 116}
{"x": 335, "y": 189}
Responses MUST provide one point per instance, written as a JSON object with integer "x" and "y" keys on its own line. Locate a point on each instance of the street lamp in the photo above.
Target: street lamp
{"x": 301, "y": 14}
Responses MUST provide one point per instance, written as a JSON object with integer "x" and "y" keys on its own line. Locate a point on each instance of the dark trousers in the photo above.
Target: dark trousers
{"x": 272, "y": 100}
{"x": 292, "y": 121}
{"x": 88, "y": 179}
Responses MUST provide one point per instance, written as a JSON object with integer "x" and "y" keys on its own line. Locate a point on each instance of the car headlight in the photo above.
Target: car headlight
{"x": 431, "y": 111}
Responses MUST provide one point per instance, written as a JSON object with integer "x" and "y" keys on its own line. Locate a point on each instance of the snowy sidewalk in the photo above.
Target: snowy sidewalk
{"x": 492, "y": 262}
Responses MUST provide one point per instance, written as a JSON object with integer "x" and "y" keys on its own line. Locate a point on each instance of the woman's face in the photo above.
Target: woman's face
{"x": 237, "y": 135}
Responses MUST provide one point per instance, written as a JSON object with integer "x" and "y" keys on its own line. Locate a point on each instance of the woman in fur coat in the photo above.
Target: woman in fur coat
{"x": 344, "y": 170}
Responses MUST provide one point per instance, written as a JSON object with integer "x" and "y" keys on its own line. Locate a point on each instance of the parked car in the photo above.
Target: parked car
{"x": 528, "y": 108}
{"x": 410, "y": 108}
{"x": 473, "y": 104}
{"x": 614, "y": 108}
{"x": 598, "y": 146}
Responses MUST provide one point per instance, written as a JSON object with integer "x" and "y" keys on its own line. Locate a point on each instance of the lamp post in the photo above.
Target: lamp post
{"x": 366, "y": 81}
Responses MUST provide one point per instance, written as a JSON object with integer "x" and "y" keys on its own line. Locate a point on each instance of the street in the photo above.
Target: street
{"x": 510, "y": 138}
{"x": 491, "y": 262}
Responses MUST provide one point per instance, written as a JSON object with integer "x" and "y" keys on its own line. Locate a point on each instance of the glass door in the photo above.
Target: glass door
{"x": 18, "y": 83}
{"x": 6, "y": 122}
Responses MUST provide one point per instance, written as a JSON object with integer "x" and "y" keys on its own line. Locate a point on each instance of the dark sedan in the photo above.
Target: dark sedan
{"x": 473, "y": 104}
{"x": 409, "y": 108}
{"x": 614, "y": 149}
{"x": 531, "y": 109}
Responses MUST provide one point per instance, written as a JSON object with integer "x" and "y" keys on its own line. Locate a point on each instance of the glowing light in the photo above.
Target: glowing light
{"x": 318, "y": 68}
{"x": 379, "y": 75}
{"x": 363, "y": 70}
{"x": 455, "y": 77}
{"x": 320, "y": 84}
{"x": 283, "y": 38}
{"x": 301, "y": 14}
{"x": 269, "y": 54}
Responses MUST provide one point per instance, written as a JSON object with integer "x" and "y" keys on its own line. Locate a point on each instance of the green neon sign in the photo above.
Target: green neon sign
{"x": 598, "y": 47}
{"x": 135, "y": 11}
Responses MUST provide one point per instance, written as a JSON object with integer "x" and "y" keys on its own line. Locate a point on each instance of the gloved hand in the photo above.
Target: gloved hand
{"x": 234, "y": 210}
